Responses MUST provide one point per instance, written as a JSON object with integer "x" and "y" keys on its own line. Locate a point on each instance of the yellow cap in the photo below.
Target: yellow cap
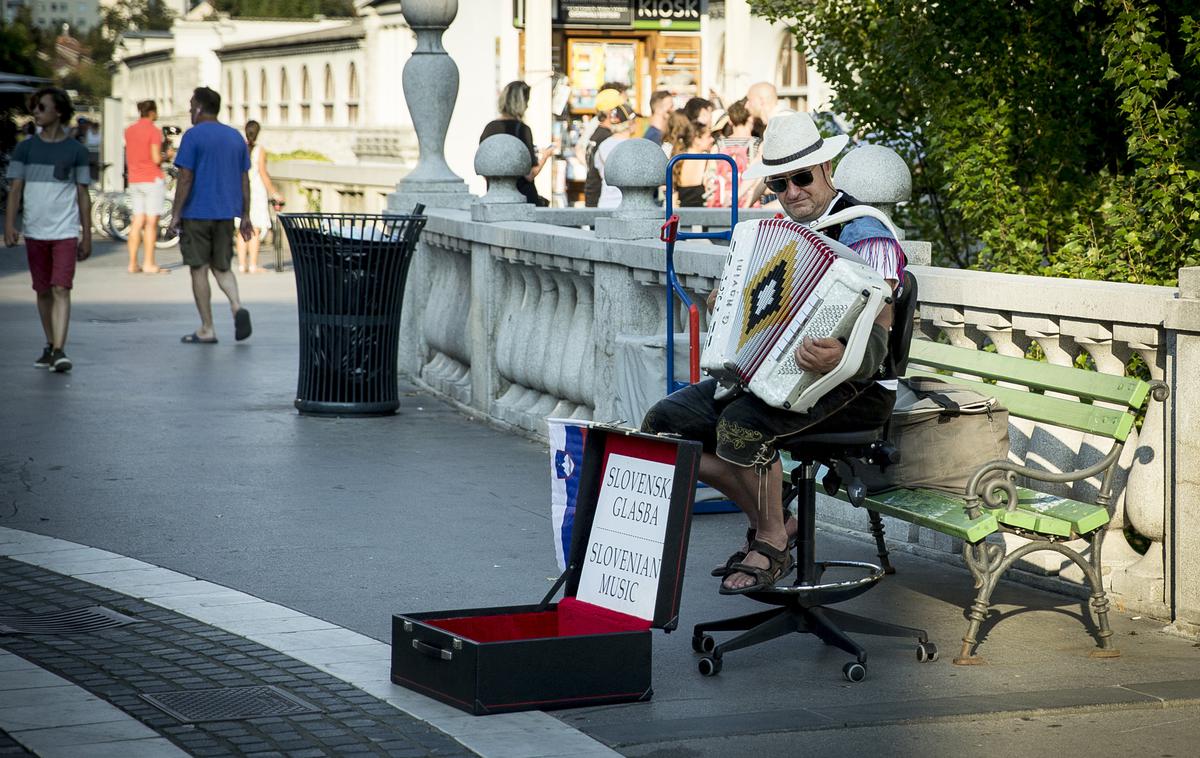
{"x": 607, "y": 99}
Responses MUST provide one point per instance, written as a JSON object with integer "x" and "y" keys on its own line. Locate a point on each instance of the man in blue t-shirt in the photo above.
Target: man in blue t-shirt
{"x": 213, "y": 189}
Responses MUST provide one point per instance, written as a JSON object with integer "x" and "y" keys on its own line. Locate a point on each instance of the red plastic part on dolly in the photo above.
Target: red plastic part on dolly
{"x": 670, "y": 230}
{"x": 694, "y": 333}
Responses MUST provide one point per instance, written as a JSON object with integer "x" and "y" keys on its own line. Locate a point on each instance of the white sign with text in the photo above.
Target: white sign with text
{"x": 624, "y": 554}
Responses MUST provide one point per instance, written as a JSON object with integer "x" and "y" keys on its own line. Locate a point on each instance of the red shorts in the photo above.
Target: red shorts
{"x": 51, "y": 262}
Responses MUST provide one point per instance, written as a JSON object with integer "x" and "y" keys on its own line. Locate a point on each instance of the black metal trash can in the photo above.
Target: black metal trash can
{"x": 350, "y": 274}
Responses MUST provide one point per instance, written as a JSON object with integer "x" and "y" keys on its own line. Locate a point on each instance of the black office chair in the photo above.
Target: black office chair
{"x": 803, "y": 606}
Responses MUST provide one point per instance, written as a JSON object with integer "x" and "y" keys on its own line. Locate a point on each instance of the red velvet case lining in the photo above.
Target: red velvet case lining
{"x": 570, "y": 618}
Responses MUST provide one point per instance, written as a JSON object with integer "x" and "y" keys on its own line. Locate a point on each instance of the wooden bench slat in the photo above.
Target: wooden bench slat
{"x": 1092, "y": 385}
{"x": 940, "y": 512}
{"x": 1032, "y": 521}
{"x": 1092, "y": 419}
{"x": 1083, "y": 517}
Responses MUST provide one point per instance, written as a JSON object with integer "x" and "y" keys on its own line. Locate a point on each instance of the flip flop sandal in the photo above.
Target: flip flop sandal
{"x": 194, "y": 339}
{"x": 241, "y": 324}
{"x": 779, "y": 565}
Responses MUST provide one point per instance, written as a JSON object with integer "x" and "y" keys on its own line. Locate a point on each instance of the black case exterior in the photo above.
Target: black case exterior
{"x": 553, "y": 672}
{"x": 519, "y": 675}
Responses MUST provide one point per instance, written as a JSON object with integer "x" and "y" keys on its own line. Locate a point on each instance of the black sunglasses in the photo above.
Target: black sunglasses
{"x": 779, "y": 184}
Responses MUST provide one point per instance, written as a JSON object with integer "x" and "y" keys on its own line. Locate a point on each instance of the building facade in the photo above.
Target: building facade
{"x": 333, "y": 86}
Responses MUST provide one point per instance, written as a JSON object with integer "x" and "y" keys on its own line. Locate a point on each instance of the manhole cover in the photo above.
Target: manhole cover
{"x": 77, "y": 621}
{"x": 229, "y": 704}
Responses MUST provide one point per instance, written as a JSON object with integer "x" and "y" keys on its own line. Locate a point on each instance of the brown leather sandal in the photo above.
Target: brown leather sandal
{"x": 779, "y": 565}
{"x": 737, "y": 557}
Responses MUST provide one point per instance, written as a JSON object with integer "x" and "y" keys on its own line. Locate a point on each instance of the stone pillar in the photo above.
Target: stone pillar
{"x": 1183, "y": 409}
{"x": 502, "y": 159}
{"x": 430, "y": 88}
{"x": 636, "y": 167}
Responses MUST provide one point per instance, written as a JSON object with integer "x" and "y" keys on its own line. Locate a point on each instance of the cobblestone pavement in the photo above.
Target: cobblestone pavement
{"x": 167, "y": 652}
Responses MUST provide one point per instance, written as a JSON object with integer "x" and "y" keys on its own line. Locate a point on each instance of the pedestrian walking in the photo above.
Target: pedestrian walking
{"x": 213, "y": 188}
{"x": 262, "y": 192}
{"x": 661, "y": 103}
{"x": 147, "y": 186}
{"x": 49, "y": 176}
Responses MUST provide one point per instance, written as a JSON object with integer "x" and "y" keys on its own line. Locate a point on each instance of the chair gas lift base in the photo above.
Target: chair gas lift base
{"x": 803, "y": 607}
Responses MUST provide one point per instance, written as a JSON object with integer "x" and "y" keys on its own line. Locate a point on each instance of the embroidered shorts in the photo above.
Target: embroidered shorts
{"x": 745, "y": 431}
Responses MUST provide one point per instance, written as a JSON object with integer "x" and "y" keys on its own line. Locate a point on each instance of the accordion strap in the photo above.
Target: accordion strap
{"x": 853, "y": 212}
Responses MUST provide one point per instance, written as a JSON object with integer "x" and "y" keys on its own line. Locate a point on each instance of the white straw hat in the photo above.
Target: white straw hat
{"x": 792, "y": 142}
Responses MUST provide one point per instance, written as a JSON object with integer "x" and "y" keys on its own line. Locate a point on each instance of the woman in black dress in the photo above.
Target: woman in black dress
{"x": 688, "y": 176}
{"x": 513, "y": 101}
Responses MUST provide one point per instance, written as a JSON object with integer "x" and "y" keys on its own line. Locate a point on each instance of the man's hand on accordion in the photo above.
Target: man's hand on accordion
{"x": 821, "y": 355}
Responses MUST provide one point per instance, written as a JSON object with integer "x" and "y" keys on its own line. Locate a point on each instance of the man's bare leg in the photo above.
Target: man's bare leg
{"x": 730, "y": 480}
{"x": 45, "y": 306}
{"x": 768, "y": 500}
{"x": 60, "y": 316}
{"x": 135, "y": 239}
{"x": 202, "y": 292}
{"x": 150, "y": 236}
{"x": 227, "y": 281}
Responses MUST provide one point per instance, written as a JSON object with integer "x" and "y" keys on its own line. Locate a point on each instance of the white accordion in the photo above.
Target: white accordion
{"x": 783, "y": 282}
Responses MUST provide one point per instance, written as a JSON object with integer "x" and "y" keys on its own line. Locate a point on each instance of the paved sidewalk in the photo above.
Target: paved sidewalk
{"x": 191, "y": 458}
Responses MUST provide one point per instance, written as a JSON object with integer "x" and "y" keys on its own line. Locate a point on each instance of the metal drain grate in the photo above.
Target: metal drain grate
{"x": 229, "y": 704}
{"x": 77, "y": 621}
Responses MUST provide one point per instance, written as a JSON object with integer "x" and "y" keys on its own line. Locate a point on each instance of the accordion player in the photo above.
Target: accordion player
{"x": 783, "y": 282}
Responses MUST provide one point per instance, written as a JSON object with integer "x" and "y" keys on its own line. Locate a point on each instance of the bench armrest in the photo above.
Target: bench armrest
{"x": 982, "y": 488}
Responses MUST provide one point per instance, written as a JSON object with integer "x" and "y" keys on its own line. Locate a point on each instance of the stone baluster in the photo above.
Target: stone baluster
{"x": 508, "y": 336}
{"x": 430, "y": 81}
{"x": 556, "y": 352}
{"x": 577, "y": 377}
{"x": 502, "y": 159}
{"x": 636, "y": 167}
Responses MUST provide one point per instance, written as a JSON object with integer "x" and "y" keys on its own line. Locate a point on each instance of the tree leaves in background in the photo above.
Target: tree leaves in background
{"x": 1044, "y": 137}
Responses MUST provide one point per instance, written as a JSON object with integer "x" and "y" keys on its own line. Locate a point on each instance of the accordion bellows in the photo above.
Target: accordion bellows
{"x": 783, "y": 282}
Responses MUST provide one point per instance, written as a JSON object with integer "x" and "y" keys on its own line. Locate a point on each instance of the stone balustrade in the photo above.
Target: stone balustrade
{"x": 520, "y": 319}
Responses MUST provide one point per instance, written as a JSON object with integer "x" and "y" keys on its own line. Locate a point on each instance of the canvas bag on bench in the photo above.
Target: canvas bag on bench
{"x": 944, "y": 433}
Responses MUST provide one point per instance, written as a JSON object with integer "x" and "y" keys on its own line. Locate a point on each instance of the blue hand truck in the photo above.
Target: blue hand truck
{"x": 669, "y": 234}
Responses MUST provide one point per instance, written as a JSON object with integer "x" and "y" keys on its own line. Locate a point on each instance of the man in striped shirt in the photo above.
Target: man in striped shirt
{"x": 50, "y": 175}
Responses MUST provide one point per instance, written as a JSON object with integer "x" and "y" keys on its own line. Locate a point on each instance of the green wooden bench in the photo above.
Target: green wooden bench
{"x": 1086, "y": 401}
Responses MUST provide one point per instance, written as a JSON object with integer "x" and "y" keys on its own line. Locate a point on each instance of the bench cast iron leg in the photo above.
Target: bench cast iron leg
{"x": 984, "y": 560}
{"x": 880, "y": 545}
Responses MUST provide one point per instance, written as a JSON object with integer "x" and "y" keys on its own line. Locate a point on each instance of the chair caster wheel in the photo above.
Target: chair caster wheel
{"x": 854, "y": 672}
{"x": 703, "y": 643}
{"x": 710, "y": 666}
{"x": 927, "y": 652}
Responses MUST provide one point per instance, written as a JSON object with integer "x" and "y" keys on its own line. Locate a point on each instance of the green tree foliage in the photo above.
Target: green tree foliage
{"x": 285, "y": 8}
{"x": 1045, "y": 137}
{"x": 19, "y": 46}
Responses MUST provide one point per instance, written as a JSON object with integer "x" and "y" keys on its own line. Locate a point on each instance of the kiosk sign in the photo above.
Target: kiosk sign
{"x": 625, "y": 548}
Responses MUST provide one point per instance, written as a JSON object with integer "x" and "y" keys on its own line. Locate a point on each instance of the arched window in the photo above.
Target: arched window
{"x": 245, "y": 95}
{"x": 229, "y": 96}
{"x": 285, "y": 96}
{"x": 792, "y": 79}
{"x": 263, "y": 94}
{"x": 328, "y": 94}
{"x": 352, "y": 97}
{"x": 305, "y": 97}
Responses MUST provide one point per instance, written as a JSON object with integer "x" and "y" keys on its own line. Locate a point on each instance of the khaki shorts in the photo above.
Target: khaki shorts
{"x": 207, "y": 242}
{"x": 146, "y": 198}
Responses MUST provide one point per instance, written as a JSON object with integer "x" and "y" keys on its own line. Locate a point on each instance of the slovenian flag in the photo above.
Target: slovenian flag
{"x": 566, "y": 464}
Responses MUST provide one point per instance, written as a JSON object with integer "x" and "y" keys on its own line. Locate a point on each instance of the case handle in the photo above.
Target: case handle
{"x": 433, "y": 651}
